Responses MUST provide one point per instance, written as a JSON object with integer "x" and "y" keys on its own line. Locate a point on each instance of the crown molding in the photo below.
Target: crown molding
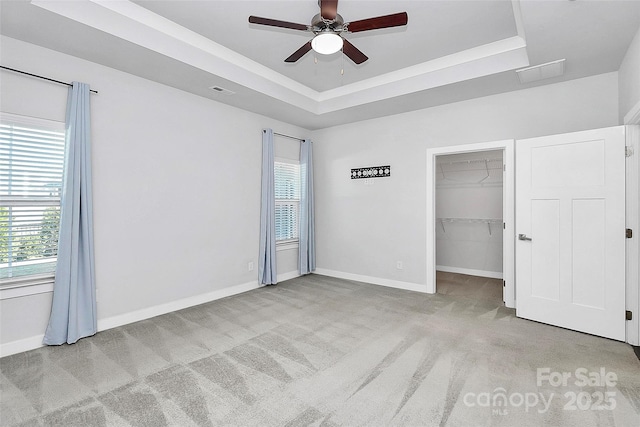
{"x": 135, "y": 24}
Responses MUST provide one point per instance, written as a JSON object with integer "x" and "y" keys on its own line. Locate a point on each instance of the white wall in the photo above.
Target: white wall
{"x": 176, "y": 189}
{"x": 629, "y": 78}
{"x": 364, "y": 230}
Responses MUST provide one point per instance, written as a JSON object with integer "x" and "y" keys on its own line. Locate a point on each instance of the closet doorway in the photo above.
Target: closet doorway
{"x": 470, "y": 209}
{"x": 469, "y": 224}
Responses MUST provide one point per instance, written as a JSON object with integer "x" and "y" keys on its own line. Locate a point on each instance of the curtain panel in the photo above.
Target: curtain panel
{"x": 73, "y": 310}
{"x": 267, "y": 254}
{"x": 307, "y": 239}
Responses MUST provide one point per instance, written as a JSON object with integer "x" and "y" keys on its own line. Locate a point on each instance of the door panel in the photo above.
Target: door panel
{"x": 588, "y": 263}
{"x": 570, "y": 193}
{"x": 550, "y": 165}
{"x": 545, "y": 254}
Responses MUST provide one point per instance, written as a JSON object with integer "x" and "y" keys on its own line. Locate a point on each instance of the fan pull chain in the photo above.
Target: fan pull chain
{"x": 342, "y": 67}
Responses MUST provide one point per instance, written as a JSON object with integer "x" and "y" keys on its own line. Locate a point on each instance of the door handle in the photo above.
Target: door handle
{"x": 524, "y": 237}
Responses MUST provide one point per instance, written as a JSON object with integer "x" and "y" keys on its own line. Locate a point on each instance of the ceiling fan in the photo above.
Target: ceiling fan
{"x": 328, "y": 26}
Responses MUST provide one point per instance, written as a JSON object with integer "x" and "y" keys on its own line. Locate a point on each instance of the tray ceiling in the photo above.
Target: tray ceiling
{"x": 449, "y": 51}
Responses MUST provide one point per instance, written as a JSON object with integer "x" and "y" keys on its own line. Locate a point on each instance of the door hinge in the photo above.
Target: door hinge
{"x": 504, "y": 283}
{"x": 628, "y": 151}
{"x": 629, "y": 233}
{"x": 628, "y": 315}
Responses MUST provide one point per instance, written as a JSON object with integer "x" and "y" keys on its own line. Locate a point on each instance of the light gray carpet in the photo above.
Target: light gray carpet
{"x": 324, "y": 352}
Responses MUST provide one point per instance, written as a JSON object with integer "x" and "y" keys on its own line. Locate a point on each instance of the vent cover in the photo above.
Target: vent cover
{"x": 542, "y": 71}
{"x": 219, "y": 89}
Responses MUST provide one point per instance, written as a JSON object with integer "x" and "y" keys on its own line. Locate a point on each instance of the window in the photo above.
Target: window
{"x": 31, "y": 164}
{"x": 287, "y": 192}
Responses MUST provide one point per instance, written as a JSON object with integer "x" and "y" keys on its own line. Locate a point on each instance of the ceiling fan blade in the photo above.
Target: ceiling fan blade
{"x": 299, "y": 53}
{"x": 353, "y": 53}
{"x": 276, "y": 23}
{"x": 328, "y": 9}
{"x": 386, "y": 21}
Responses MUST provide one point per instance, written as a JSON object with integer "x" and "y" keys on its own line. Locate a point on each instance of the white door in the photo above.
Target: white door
{"x": 570, "y": 225}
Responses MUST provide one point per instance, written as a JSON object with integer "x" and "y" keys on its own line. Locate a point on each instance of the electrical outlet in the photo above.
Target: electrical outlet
{"x": 250, "y": 266}
{"x": 399, "y": 265}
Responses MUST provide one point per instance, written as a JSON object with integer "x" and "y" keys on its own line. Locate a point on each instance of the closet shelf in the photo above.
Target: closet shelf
{"x": 463, "y": 184}
{"x": 478, "y": 171}
{"x": 474, "y": 164}
{"x": 488, "y": 221}
{"x": 472, "y": 220}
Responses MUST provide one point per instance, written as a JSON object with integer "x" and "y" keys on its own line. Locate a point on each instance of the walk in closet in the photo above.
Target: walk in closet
{"x": 469, "y": 213}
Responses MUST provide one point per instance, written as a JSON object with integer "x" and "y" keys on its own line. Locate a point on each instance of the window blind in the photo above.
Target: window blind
{"x": 287, "y": 195}
{"x": 31, "y": 168}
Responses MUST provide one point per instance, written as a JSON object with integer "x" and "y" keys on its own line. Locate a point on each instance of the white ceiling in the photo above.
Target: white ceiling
{"x": 269, "y": 46}
{"x": 449, "y": 51}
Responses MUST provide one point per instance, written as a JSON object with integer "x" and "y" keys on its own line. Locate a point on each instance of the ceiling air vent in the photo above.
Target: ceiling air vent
{"x": 542, "y": 71}
{"x": 221, "y": 90}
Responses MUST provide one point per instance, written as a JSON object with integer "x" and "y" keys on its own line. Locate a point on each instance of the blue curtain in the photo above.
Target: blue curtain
{"x": 307, "y": 239}
{"x": 267, "y": 257}
{"x": 73, "y": 310}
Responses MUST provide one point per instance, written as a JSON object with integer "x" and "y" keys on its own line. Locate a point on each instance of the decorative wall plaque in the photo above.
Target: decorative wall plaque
{"x": 371, "y": 172}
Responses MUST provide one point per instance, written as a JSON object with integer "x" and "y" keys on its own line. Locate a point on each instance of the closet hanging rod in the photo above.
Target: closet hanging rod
{"x": 459, "y": 162}
{"x": 470, "y": 220}
{"x": 473, "y": 169}
{"x": 41, "y": 77}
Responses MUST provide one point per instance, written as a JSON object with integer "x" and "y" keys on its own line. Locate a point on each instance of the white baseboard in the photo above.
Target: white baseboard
{"x": 288, "y": 276}
{"x": 470, "y": 272}
{"x": 19, "y": 346}
{"x": 373, "y": 280}
{"x": 147, "y": 313}
{"x": 32, "y": 343}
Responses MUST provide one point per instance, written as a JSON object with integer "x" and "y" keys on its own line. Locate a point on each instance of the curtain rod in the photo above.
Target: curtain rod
{"x": 288, "y": 136}
{"x": 41, "y": 77}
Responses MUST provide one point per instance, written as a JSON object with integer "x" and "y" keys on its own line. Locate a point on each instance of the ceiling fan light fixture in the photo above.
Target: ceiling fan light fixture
{"x": 326, "y": 43}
